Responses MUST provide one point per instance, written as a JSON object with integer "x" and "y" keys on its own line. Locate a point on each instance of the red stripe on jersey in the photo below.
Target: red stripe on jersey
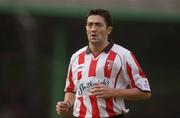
{"x": 82, "y": 111}
{"x": 109, "y": 64}
{"x": 79, "y": 75}
{"x": 129, "y": 69}
{"x": 95, "y": 110}
{"x": 71, "y": 84}
{"x": 138, "y": 65}
{"x": 81, "y": 58}
{"x": 117, "y": 77}
{"x": 109, "y": 107}
{"x": 80, "y": 61}
{"x": 92, "y": 68}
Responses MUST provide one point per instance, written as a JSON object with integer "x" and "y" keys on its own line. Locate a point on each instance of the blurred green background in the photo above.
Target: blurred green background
{"x": 37, "y": 39}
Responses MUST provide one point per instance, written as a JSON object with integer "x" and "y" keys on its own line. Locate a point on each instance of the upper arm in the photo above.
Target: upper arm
{"x": 135, "y": 74}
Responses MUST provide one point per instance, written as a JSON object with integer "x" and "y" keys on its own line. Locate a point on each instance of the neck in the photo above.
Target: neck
{"x": 97, "y": 48}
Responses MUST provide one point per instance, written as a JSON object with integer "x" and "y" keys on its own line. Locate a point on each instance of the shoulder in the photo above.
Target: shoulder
{"x": 77, "y": 53}
{"x": 124, "y": 54}
{"x": 120, "y": 50}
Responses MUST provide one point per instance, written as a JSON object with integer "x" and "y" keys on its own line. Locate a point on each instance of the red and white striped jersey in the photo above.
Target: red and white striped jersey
{"x": 115, "y": 67}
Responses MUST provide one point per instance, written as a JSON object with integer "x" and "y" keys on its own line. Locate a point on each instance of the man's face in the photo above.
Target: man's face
{"x": 97, "y": 30}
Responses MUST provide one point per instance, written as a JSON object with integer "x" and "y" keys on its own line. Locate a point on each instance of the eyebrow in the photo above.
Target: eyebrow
{"x": 94, "y": 23}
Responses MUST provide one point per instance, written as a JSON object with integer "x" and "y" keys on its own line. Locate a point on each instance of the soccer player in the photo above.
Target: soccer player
{"x": 102, "y": 74}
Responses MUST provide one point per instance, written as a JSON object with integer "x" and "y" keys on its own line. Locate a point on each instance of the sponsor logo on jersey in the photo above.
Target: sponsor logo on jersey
{"x": 83, "y": 87}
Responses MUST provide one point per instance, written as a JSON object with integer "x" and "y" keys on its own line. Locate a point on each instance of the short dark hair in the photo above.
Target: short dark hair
{"x": 104, "y": 13}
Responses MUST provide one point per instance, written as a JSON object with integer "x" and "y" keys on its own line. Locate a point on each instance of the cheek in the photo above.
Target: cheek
{"x": 87, "y": 31}
{"x": 103, "y": 34}
{"x": 88, "y": 34}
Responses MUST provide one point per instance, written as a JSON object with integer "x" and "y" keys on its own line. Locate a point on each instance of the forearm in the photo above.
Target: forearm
{"x": 70, "y": 98}
{"x": 132, "y": 94}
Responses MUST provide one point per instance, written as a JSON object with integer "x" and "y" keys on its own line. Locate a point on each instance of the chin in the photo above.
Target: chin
{"x": 94, "y": 41}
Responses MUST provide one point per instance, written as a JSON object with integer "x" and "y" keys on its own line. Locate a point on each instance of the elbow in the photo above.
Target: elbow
{"x": 147, "y": 95}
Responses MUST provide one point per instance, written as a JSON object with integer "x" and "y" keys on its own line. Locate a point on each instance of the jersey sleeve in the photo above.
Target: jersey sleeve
{"x": 70, "y": 86}
{"x": 135, "y": 74}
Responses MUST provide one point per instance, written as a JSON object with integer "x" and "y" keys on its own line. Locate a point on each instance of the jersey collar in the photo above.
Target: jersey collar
{"x": 106, "y": 50}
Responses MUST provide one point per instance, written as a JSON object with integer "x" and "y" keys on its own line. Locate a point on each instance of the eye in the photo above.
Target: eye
{"x": 89, "y": 24}
{"x": 99, "y": 24}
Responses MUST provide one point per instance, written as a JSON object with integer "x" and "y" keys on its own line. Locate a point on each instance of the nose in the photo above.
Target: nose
{"x": 93, "y": 28}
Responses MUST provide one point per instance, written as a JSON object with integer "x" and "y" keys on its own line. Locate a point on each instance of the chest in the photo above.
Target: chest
{"x": 104, "y": 66}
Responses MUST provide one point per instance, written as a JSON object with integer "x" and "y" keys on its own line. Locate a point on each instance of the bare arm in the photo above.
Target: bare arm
{"x": 63, "y": 106}
{"x": 129, "y": 94}
{"x": 70, "y": 97}
{"x": 132, "y": 94}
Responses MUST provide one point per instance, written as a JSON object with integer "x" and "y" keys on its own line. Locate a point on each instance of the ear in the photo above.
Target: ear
{"x": 109, "y": 30}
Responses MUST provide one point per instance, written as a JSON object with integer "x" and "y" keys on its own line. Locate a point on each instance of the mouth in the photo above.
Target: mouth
{"x": 94, "y": 36}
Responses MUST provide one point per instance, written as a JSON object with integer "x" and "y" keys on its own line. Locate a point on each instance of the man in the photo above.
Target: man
{"x": 102, "y": 75}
